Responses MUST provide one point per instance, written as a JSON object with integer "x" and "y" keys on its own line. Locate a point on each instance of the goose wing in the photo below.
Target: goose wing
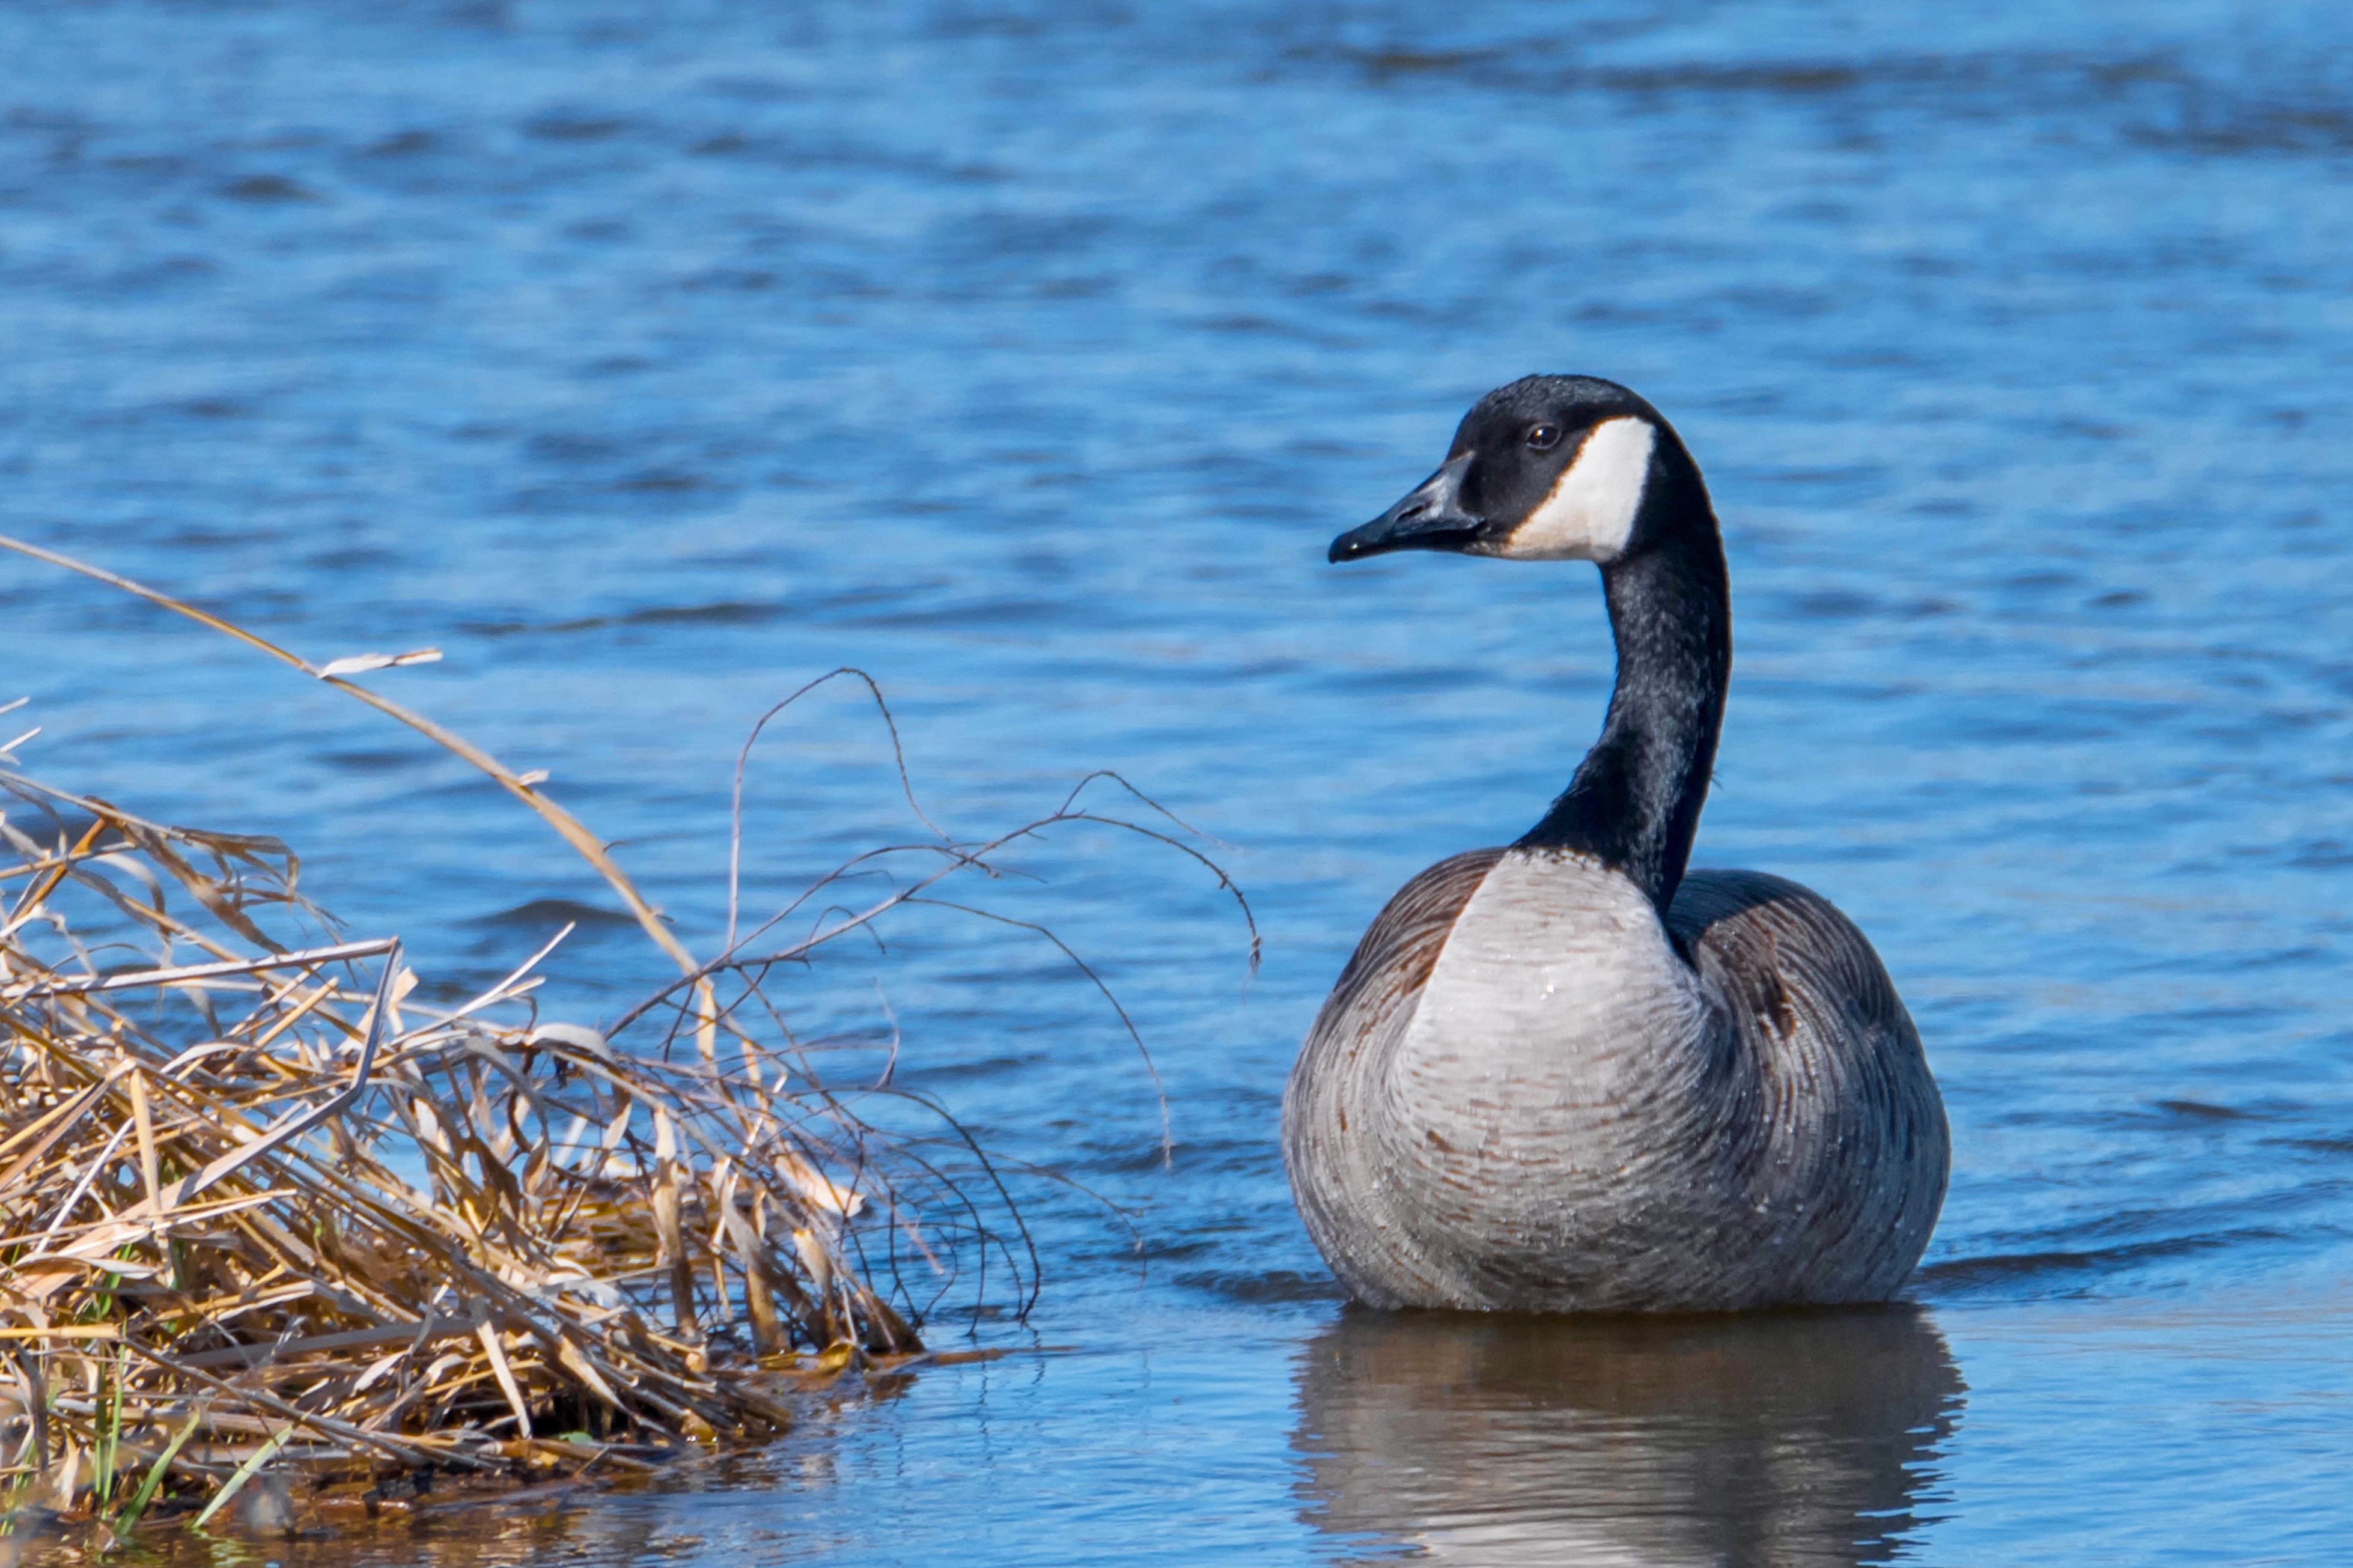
{"x": 1397, "y": 951}
{"x": 1784, "y": 952}
{"x": 1845, "y": 1148}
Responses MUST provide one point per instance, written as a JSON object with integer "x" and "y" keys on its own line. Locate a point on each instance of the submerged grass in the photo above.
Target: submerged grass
{"x": 268, "y": 1219}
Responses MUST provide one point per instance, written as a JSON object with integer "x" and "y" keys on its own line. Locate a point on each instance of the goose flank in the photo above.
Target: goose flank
{"x": 1564, "y": 1075}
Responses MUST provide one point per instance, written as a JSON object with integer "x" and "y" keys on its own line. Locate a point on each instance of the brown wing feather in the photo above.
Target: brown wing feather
{"x": 1399, "y": 949}
{"x": 1849, "y": 1121}
{"x": 1769, "y": 933}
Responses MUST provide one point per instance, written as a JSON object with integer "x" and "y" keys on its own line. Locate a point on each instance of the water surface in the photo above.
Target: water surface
{"x": 651, "y": 362}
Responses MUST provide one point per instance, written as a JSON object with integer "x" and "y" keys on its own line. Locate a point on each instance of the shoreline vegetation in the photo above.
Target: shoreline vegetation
{"x": 279, "y": 1241}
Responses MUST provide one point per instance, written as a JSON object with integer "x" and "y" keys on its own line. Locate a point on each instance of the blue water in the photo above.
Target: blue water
{"x": 650, "y": 361}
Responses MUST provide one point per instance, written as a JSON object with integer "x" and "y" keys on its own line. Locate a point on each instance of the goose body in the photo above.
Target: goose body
{"x": 1563, "y": 1075}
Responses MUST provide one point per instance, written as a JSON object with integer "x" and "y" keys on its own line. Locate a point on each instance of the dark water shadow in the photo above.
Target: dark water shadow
{"x": 1781, "y": 1439}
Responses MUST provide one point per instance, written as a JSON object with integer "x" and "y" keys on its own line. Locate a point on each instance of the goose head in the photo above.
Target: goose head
{"x": 1551, "y": 468}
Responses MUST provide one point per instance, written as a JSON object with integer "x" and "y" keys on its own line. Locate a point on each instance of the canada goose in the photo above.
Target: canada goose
{"x": 1564, "y": 1076}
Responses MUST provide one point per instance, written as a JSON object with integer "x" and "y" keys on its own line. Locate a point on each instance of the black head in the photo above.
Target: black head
{"x": 1551, "y": 468}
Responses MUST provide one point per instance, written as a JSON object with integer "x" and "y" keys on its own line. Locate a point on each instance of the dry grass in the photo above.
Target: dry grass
{"x": 264, "y": 1214}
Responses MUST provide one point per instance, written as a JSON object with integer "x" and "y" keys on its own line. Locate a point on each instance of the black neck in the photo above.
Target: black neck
{"x": 1636, "y": 799}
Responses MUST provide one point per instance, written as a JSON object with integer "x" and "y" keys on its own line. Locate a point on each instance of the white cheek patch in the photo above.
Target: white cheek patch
{"x": 1590, "y": 514}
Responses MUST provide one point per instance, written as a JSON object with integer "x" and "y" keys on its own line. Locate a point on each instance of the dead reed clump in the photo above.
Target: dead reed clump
{"x": 259, "y": 1208}
{"x": 265, "y": 1215}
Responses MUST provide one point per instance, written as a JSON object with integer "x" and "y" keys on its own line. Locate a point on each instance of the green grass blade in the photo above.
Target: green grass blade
{"x": 245, "y": 1472}
{"x": 121, "y": 1523}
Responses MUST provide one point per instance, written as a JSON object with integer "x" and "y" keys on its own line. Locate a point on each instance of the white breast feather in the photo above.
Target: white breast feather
{"x": 1557, "y": 1003}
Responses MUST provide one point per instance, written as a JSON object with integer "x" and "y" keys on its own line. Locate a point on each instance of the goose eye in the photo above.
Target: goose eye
{"x": 1544, "y": 438}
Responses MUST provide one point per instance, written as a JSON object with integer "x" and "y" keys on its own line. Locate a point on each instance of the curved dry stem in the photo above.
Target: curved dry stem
{"x": 1159, "y": 1094}
{"x": 567, "y": 825}
{"x": 743, "y": 755}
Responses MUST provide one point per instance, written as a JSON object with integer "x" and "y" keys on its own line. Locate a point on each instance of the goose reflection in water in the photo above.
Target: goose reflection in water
{"x": 1779, "y": 1440}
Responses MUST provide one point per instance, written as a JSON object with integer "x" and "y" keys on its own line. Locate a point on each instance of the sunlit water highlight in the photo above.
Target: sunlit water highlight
{"x": 1027, "y": 356}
